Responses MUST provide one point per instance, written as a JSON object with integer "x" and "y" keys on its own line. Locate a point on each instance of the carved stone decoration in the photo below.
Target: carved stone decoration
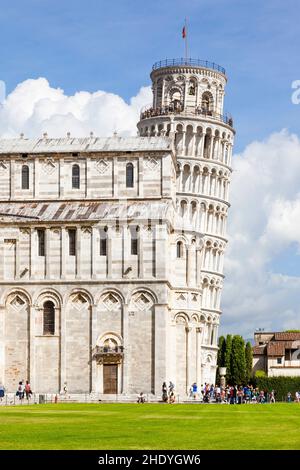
{"x": 17, "y": 302}
{"x": 152, "y": 163}
{"x": 101, "y": 166}
{"x": 49, "y": 166}
{"x": 111, "y": 302}
{"x": 10, "y": 241}
{"x": 86, "y": 231}
{"x": 181, "y": 296}
{"x": 181, "y": 319}
{"x": 79, "y": 301}
{"x": 3, "y": 166}
{"x": 142, "y": 301}
{"x": 25, "y": 232}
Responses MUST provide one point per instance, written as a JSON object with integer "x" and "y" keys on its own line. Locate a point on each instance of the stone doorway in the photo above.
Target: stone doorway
{"x": 110, "y": 378}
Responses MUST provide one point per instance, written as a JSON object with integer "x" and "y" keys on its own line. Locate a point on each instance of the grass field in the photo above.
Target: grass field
{"x": 150, "y": 426}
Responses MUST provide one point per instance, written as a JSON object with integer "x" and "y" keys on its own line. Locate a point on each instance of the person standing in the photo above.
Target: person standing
{"x": 272, "y": 397}
{"x": 164, "y": 392}
{"x": 195, "y": 390}
{"x": 65, "y": 389}
{"x": 141, "y": 398}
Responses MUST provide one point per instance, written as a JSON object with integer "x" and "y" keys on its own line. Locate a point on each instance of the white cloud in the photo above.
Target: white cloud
{"x": 264, "y": 222}
{"x": 34, "y": 107}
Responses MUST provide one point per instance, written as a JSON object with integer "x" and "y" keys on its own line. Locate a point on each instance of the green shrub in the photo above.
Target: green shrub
{"x": 281, "y": 385}
{"x": 260, "y": 373}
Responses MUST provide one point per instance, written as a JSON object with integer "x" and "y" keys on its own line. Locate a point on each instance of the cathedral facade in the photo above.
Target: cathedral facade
{"x": 112, "y": 249}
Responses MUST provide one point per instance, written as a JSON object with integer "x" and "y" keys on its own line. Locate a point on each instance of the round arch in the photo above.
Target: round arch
{"x": 9, "y": 292}
{"x": 49, "y": 294}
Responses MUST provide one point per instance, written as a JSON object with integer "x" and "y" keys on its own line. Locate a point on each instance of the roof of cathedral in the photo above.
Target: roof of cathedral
{"x": 70, "y": 211}
{"x": 85, "y": 144}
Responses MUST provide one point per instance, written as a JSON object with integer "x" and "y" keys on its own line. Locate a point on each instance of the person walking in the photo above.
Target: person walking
{"x": 20, "y": 390}
{"x": 2, "y": 391}
{"x": 28, "y": 391}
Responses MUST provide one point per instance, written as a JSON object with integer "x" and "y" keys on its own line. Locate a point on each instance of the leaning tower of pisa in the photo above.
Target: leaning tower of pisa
{"x": 188, "y": 100}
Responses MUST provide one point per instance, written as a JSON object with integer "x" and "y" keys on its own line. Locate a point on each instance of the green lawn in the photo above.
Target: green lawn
{"x": 150, "y": 426}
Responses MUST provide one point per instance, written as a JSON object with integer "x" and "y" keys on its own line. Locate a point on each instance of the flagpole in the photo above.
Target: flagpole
{"x": 186, "y": 42}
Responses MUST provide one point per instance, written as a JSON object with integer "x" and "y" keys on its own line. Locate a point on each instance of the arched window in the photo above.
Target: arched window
{"x": 41, "y": 242}
{"x": 129, "y": 175}
{"x": 49, "y": 318}
{"x": 207, "y": 103}
{"x": 212, "y": 336}
{"x": 134, "y": 240}
{"x": 75, "y": 177}
{"x": 179, "y": 250}
{"x": 175, "y": 99}
{"x": 103, "y": 242}
{"x": 72, "y": 241}
{"x": 25, "y": 177}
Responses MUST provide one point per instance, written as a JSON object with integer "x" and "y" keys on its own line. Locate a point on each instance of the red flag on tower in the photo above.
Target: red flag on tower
{"x": 183, "y": 32}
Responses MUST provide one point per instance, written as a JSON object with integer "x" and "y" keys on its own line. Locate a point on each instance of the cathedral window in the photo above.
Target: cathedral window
{"x": 192, "y": 90}
{"x": 25, "y": 177}
{"x": 72, "y": 242}
{"x": 103, "y": 242}
{"x": 75, "y": 177}
{"x": 129, "y": 175}
{"x": 134, "y": 241}
{"x": 49, "y": 318}
{"x": 41, "y": 242}
{"x": 179, "y": 249}
{"x": 134, "y": 246}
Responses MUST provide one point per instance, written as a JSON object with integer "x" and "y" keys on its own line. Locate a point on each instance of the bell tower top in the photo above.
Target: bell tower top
{"x": 191, "y": 86}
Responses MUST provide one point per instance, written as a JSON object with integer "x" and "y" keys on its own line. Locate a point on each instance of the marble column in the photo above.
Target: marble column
{"x": 160, "y": 355}
{"x": 126, "y": 358}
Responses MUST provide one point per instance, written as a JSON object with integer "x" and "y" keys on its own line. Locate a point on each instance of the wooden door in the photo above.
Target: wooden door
{"x": 110, "y": 378}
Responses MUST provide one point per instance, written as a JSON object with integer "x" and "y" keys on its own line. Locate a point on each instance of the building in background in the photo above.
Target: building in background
{"x": 277, "y": 354}
{"x": 112, "y": 250}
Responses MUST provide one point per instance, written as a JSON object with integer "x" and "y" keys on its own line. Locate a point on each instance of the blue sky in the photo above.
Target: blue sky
{"x": 98, "y": 44}
{"x": 111, "y": 45}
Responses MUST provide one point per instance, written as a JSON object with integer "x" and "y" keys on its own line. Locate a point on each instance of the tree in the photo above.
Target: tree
{"x": 237, "y": 362}
{"x": 221, "y": 352}
{"x": 248, "y": 360}
{"x": 228, "y": 344}
{"x": 221, "y": 356}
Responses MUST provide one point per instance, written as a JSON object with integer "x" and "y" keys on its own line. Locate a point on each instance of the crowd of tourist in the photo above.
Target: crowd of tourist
{"x": 230, "y": 394}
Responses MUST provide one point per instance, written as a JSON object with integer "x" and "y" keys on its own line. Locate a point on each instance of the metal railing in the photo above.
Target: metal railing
{"x": 188, "y": 62}
{"x": 167, "y": 110}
